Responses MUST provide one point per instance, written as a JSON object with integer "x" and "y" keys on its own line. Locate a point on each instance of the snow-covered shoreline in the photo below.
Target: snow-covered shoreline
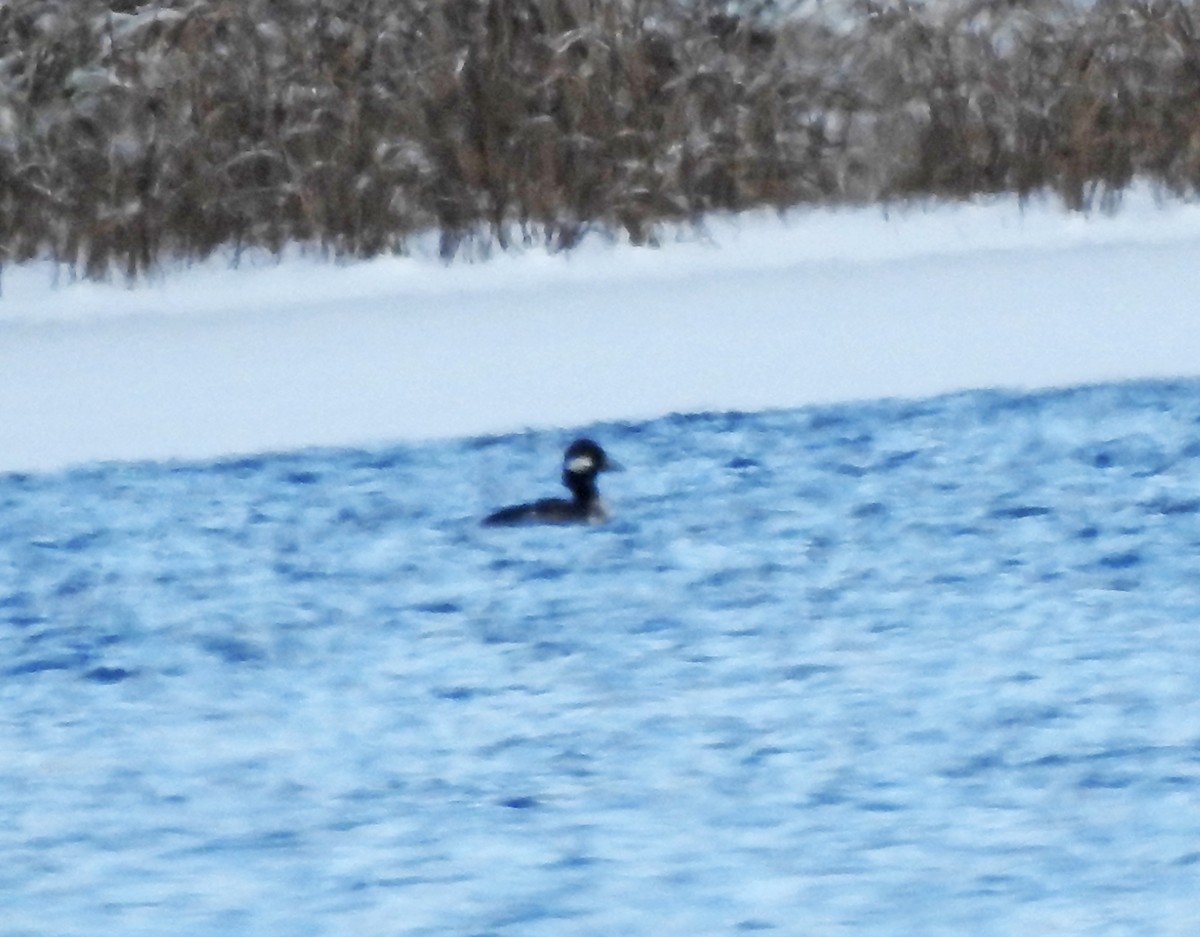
{"x": 760, "y": 313}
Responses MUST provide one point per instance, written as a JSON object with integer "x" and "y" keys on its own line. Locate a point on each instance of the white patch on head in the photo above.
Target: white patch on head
{"x": 581, "y": 464}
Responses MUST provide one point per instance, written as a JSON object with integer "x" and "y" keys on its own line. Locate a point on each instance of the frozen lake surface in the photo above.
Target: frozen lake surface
{"x": 821, "y": 307}
{"x": 910, "y": 667}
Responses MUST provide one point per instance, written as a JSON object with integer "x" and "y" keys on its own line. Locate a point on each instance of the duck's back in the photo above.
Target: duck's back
{"x": 545, "y": 511}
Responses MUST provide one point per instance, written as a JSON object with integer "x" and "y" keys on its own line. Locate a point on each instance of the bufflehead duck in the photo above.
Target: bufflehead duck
{"x": 582, "y": 460}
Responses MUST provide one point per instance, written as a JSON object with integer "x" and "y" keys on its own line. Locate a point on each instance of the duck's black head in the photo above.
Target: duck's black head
{"x": 585, "y": 458}
{"x": 581, "y": 462}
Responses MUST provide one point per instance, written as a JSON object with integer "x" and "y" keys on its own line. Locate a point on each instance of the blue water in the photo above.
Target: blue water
{"x": 897, "y": 668}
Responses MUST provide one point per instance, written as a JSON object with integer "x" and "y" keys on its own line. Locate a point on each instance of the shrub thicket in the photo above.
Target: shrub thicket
{"x": 130, "y": 133}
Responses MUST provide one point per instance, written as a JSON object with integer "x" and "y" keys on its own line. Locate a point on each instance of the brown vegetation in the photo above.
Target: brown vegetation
{"x": 131, "y": 133}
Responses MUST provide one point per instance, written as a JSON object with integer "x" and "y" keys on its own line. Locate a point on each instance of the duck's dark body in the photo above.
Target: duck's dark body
{"x": 581, "y": 462}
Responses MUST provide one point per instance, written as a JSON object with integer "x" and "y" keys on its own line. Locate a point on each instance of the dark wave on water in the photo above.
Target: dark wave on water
{"x": 895, "y": 667}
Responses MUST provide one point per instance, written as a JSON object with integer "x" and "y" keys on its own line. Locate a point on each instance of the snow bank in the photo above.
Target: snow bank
{"x": 754, "y": 313}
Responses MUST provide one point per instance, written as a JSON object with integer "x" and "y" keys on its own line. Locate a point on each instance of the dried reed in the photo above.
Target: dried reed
{"x": 136, "y": 133}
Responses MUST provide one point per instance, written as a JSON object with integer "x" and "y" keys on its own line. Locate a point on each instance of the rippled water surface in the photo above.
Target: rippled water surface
{"x": 908, "y": 667}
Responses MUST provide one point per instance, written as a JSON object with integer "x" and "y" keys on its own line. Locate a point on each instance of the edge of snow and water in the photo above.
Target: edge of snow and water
{"x": 749, "y": 313}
